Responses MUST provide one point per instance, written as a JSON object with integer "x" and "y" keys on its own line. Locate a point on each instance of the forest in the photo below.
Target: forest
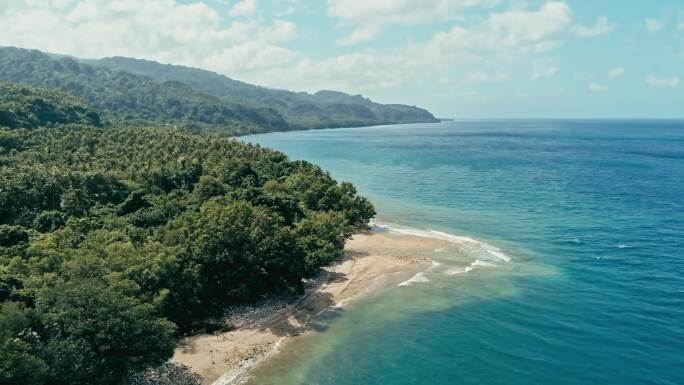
{"x": 116, "y": 239}
{"x": 133, "y": 91}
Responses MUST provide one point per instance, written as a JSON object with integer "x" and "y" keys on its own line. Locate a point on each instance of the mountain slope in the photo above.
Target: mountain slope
{"x": 322, "y": 109}
{"x": 132, "y": 90}
{"x": 123, "y": 96}
{"x": 23, "y": 106}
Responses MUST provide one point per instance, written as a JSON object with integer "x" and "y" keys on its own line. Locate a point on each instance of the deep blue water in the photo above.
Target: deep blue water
{"x": 592, "y": 215}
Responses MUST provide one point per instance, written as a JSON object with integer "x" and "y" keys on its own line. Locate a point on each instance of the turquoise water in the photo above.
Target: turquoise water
{"x": 591, "y": 214}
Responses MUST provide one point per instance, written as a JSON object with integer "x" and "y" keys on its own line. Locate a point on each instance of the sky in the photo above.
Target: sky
{"x": 457, "y": 58}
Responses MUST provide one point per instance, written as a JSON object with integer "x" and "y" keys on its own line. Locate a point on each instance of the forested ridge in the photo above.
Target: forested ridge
{"x": 323, "y": 109}
{"x": 28, "y": 107}
{"x": 145, "y": 92}
{"x": 115, "y": 240}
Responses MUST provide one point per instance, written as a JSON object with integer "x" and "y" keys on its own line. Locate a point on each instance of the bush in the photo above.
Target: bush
{"x": 135, "y": 201}
{"x": 48, "y": 221}
{"x": 12, "y": 235}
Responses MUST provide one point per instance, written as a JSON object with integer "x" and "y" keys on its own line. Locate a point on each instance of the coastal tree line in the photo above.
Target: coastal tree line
{"x": 116, "y": 240}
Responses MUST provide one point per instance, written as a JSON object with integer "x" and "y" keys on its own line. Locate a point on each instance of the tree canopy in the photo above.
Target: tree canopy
{"x": 28, "y": 107}
{"x": 114, "y": 240}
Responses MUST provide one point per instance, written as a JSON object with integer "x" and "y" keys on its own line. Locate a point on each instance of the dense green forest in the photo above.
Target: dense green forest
{"x": 320, "y": 110}
{"x": 28, "y": 107}
{"x": 115, "y": 240}
{"x": 144, "y": 92}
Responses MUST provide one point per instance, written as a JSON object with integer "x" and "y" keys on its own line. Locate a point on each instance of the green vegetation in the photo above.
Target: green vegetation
{"x": 114, "y": 240}
{"x": 145, "y": 92}
{"x": 125, "y": 97}
{"x": 323, "y": 109}
{"x": 25, "y": 107}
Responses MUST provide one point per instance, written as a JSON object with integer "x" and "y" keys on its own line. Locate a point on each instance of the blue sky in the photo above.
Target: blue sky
{"x": 458, "y": 58}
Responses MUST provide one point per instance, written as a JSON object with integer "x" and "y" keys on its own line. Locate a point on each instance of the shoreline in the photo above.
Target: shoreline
{"x": 373, "y": 260}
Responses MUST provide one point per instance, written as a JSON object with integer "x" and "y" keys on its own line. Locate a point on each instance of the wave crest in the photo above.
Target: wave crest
{"x": 480, "y": 248}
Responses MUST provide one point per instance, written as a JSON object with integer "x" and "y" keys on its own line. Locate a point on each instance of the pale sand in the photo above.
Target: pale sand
{"x": 372, "y": 260}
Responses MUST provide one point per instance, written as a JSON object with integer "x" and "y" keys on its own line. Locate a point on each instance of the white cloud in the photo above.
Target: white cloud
{"x": 595, "y": 87}
{"x": 359, "y": 71}
{"x": 506, "y": 32}
{"x": 359, "y": 34}
{"x": 529, "y": 28}
{"x": 289, "y": 7}
{"x": 250, "y": 57}
{"x": 544, "y": 69}
{"x": 653, "y": 25}
{"x": 50, "y": 3}
{"x": 616, "y": 73}
{"x": 243, "y": 8}
{"x": 279, "y": 31}
{"x": 368, "y": 18}
{"x": 504, "y": 37}
{"x": 484, "y": 77}
{"x": 253, "y": 50}
{"x": 190, "y": 34}
{"x": 601, "y": 27}
{"x": 655, "y": 81}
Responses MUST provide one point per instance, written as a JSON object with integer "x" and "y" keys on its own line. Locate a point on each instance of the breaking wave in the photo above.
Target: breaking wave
{"x": 481, "y": 250}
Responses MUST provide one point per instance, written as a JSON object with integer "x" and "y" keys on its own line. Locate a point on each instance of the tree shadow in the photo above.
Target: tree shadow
{"x": 336, "y": 277}
{"x": 354, "y": 254}
{"x": 315, "y": 310}
{"x": 312, "y": 312}
{"x": 187, "y": 345}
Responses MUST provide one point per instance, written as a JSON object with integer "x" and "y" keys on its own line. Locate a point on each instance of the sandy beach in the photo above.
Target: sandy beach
{"x": 372, "y": 260}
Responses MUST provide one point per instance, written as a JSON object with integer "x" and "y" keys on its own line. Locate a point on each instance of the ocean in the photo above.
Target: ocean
{"x": 575, "y": 237}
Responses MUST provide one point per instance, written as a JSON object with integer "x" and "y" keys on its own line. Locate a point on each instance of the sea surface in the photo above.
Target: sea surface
{"x": 572, "y": 273}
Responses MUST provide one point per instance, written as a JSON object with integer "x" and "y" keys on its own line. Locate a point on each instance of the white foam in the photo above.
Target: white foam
{"x": 473, "y": 265}
{"x": 487, "y": 256}
{"x": 341, "y": 304}
{"x": 495, "y": 251}
{"x": 421, "y": 277}
{"x": 456, "y": 270}
{"x": 239, "y": 374}
{"x": 479, "y": 263}
{"x": 336, "y": 307}
{"x": 418, "y": 278}
{"x": 623, "y": 246}
{"x": 491, "y": 250}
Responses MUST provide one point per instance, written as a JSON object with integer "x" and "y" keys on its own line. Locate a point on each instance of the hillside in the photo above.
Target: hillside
{"x": 22, "y": 106}
{"x": 126, "y": 97}
{"x": 322, "y": 109}
{"x": 139, "y": 91}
